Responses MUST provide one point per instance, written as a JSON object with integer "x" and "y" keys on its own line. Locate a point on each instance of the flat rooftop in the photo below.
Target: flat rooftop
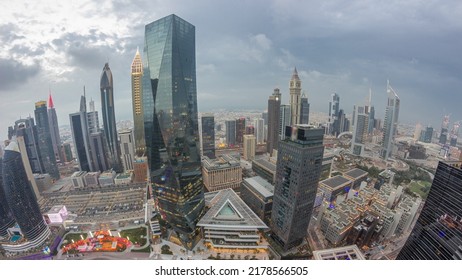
{"x": 341, "y": 253}
{"x": 265, "y": 163}
{"x": 261, "y": 185}
{"x": 335, "y": 182}
{"x": 355, "y": 173}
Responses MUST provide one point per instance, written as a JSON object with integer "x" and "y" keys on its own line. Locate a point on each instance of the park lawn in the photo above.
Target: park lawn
{"x": 418, "y": 186}
{"x": 135, "y": 235}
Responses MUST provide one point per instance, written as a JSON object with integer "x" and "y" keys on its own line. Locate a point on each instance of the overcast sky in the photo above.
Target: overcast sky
{"x": 244, "y": 49}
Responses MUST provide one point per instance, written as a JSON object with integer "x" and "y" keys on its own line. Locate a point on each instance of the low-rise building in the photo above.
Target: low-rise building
{"x": 43, "y": 181}
{"x": 222, "y": 172}
{"x": 265, "y": 167}
{"x": 258, "y": 193}
{"x": 107, "y": 178}
{"x": 357, "y": 176}
{"x": 91, "y": 179}
{"x": 351, "y": 252}
{"x": 78, "y": 179}
{"x": 123, "y": 178}
{"x": 334, "y": 187}
{"x": 56, "y": 215}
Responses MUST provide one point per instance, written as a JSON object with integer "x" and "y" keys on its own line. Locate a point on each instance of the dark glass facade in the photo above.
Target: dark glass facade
{"x": 304, "y": 110}
{"x": 240, "y": 131}
{"x": 298, "y": 169}
{"x": 230, "y": 133}
{"x": 20, "y": 196}
{"x": 80, "y": 135}
{"x": 44, "y": 140}
{"x": 208, "y": 136}
{"x": 274, "y": 104}
{"x": 31, "y": 141}
{"x": 6, "y": 217}
{"x": 109, "y": 122}
{"x": 437, "y": 234}
{"x": 171, "y": 124}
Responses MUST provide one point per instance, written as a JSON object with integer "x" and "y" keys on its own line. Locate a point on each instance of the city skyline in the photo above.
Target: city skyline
{"x": 66, "y": 55}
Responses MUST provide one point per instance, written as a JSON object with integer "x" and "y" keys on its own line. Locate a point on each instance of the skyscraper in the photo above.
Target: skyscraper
{"x": 259, "y": 125}
{"x": 21, "y": 198}
{"x": 249, "y": 147}
{"x": 360, "y": 130}
{"x": 334, "y": 107}
{"x": 295, "y": 88}
{"x": 390, "y": 124}
{"x": 45, "y": 140}
{"x": 437, "y": 234}
{"x": 6, "y": 216}
{"x": 297, "y": 174}
{"x": 171, "y": 124}
{"x": 137, "y": 102}
{"x": 93, "y": 119}
{"x": 240, "y": 131}
{"x": 54, "y": 130}
{"x": 208, "y": 135}
{"x": 109, "y": 122}
{"x": 284, "y": 120}
{"x": 274, "y": 104}
{"x": 454, "y": 134}
{"x": 127, "y": 149}
{"x": 79, "y": 128}
{"x": 31, "y": 142}
{"x": 230, "y": 133}
{"x": 98, "y": 152}
{"x": 444, "y": 130}
{"x": 304, "y": 110}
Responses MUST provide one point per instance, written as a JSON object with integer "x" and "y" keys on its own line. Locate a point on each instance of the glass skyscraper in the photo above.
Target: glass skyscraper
{"x": 6, "y": 217}
{"x": 437, "y": 234}
{"x": 20, "y": 196}
{"x": 390, "y": 124}
{"x": 171, "y": 124}
{"x": 208, "y": 136}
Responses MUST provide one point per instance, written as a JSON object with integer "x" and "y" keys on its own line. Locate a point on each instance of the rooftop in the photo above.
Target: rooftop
{"x": 355, "y": 173}
{"x": 261, "y": 185}
{"x": 336, "y": 182}
{"x": 266, "y": 164}
{"x": 220, "y": 162}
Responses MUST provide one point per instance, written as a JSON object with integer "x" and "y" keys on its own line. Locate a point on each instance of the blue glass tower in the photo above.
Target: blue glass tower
{"x": 171, "y": 124}
{"x": 6, "y": 217}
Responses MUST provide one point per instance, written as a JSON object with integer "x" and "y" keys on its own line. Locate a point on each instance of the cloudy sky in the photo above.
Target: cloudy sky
{"x": 244, "y": 50}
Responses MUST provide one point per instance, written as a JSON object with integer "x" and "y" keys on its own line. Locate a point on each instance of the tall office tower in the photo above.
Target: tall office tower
{"x": 370, "y": 130}
{"x": 79, "y": 128}
{"x": 250, "y": 142}
{"x": 427, "y": 135}
{"x": 437, "y": 234}
{"x": 54, "y": 130}
{"x": 127, "y": 148}
{"x": 240, "y": 131}
{"x": 274, "y": 104}
{"x": 444, "y": 130}
{"x": 284, "y": 120}
{"x": 109, "y": 122}
{"x": 304, "y": 110}
{"x": 137, "y": 102}
{"x": 297, "y": 175}
{"x": 45, "y": 141}
{"x": 295, "y": 88}
{"x": 171, "y": 124}
{"x": 21, "y": 198}
{"x": 264, "y": 116}
{"x": 208, "y": 135}
{"x": 250, "y": 129}
{"x": 6, "y": 216}
{"x": 92, "y": 119}
{"x": 417, "y": 131}
{"x": 99, "y": 152}
{"x": 67, "y": 152}
{"x": 342, "y": 121}
{"x": 360, "y": 130}
{"x": 259, "y": 125}
{"x": 454, "y": 134}
{"x": 334, "y": 107}
{"x": 31, "y": 142}
{"x": 230, "y": 133}
{"x": 390, "y": 124}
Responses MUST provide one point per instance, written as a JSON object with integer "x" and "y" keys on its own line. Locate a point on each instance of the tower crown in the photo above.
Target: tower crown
{"x": 50, "y": 102}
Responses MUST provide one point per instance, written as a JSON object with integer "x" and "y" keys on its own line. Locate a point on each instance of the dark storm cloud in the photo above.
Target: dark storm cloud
{"x": 14, "y": 74}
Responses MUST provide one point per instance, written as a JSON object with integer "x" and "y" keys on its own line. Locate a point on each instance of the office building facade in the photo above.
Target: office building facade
{"x": 274, "y": 104}
{"x": 137, "y": 103}
{"x": 171, "y": 124}
{"x": 127, "y": 149}
{"x": 208, "y": 135}
{"x": 54, "y": 130}
{"x": 295, "y": 90}
{"x": 390, "y": 124}
{"x": 230, "y": 133}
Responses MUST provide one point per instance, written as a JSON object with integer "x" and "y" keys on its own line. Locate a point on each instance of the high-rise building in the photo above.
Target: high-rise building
{"x": 249, "y": 147}
{"x": 437, "y": 234}
{"x": 371, "y": 120}
{"x": 31, "y": 142}
{"x": 54, "y": 130}
{"x": 417, "y": 131}
{"x": 298, "y": 169}
{"x": 240, "y": 131}
{"x": 444, "y": 130}
{"x": 208, "y": 135}
{"x": 21, "y": 198}
{"x": 304, "y": 110}
{"x": 360, "y": 130}
{"x": 171, "y": 124}
{"x": 127, "y": 149}
{"x": 284, "y": 120}
{"x": 259, "y": 125}
{"x": 230, "y": 133}
{"x": 137, "y": 102}
{"x": 98, "y": 152}
{"x": 109, "y": 122}
{"x": 334, "y": 107}
{"x": 390, "y": 124}
{"x": 6, "y": 216}
{"x": 295, "y": 89}
{"x": 93, "y": 119}
{"x": 79, "y": 128}
{"x": 274, "y": 104}
{"x": 44, "y": 140}
{"x": 454, "y": 134}
{"x": 67, "y": 152}
{"x": 427, "y": 135}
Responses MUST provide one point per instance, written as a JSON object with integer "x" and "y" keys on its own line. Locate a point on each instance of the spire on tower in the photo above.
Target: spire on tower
{"x": 295, "y": 74}
{"x": 50, "y": 101}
